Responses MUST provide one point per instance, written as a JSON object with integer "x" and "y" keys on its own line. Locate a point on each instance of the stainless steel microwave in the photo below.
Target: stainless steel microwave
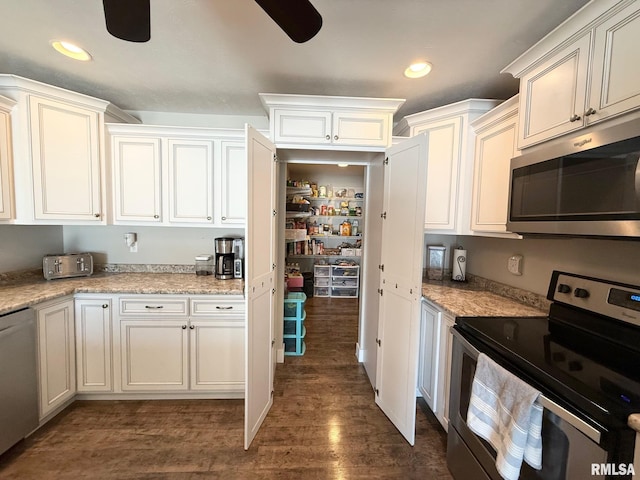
{"x": 587, "y": 185}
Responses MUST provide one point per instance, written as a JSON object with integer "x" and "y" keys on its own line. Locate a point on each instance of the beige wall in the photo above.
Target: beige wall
{"x": 611, "y": 259}
{"x": 23, "y": 246}
{"x": 156, "y": 245}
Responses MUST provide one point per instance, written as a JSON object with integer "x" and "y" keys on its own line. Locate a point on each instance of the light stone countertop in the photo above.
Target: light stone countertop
{"x": 31, "y": 292}
{"x": 463, "y": 300}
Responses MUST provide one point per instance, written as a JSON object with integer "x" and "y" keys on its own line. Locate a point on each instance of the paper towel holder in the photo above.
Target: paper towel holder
{"x": 459, "y": 267}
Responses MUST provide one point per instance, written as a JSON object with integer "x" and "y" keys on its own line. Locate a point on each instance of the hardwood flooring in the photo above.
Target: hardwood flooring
{"x": 324, "y": 424}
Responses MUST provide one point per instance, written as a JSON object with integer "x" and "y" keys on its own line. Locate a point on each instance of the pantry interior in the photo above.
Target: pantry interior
{"x": 325, "y": 240}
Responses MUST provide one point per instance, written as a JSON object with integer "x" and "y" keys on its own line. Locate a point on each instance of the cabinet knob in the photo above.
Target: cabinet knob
{"x": 156, "y": 216}
{"x": 104, "y": 305}
{"x": 335, "y": 137}
{"x": 184, "y": 327}
{"x": 328, "y": 137}
{"x": 191, "y": 327}
{"x": 589, "y": 112}
{"x": 97, "y": 215}
{"x": 208, "y": 218}
{"x": 224, "y": 218}
{"x": 574, "y": 118}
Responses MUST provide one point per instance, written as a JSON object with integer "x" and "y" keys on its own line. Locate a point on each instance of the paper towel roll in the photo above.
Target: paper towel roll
{"x": 459, "y": 265}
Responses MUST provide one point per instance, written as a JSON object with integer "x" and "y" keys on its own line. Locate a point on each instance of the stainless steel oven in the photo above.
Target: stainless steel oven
{"x": 586, "y": 185}
{"x": 582, "y": 361}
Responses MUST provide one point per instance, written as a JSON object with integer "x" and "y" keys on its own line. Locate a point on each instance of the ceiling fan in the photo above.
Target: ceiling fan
{"x": 131, "y": 19}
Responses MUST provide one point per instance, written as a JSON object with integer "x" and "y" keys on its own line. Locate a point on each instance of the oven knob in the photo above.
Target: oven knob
{"x": 580, "y": 293}
{"x": 564, "y": 288}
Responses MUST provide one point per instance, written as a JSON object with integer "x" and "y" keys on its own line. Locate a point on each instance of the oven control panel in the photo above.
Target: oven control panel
{"x": 599, "y": 296}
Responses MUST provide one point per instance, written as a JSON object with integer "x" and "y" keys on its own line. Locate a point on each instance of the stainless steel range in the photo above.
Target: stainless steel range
{"x": 584, "y": 358}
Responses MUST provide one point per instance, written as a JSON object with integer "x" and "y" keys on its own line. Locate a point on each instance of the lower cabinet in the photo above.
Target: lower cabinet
{"x": 94, "y": 359}
{"x": 56, "y": 354}
{"x": 435, "y": 360}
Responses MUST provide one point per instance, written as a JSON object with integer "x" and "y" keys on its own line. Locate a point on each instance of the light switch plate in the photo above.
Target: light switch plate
{"x": 514, "y": 265}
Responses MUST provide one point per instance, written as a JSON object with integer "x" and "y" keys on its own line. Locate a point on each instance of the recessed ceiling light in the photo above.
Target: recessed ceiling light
{"x": 417, "y": 70}
{"x": 71, "y": 50}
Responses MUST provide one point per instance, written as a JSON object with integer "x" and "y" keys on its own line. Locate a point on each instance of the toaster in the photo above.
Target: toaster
{"x": 65, "y": 265}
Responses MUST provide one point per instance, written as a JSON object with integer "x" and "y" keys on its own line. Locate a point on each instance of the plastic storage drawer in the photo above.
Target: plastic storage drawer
{"x": 294, "y": 305}
{"x": 321, "y": 291}
{"x": 344, "y": 292}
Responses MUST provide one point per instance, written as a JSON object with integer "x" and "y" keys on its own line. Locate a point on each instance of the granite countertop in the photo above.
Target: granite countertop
{"x": 465, "y": 300}
{"x": 33, "y": 291}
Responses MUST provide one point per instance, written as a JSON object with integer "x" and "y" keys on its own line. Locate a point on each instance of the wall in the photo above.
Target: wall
{"x": 156, "y": 245}
{"x": 23, "y": 246}
{"x": 610, "y": 259}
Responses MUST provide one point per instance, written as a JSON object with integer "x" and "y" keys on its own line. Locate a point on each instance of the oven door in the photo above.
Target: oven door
{"x": 569, "y": 444}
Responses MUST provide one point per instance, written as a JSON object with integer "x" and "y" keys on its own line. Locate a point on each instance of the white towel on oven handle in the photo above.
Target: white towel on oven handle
{"x": 504, "y": 411}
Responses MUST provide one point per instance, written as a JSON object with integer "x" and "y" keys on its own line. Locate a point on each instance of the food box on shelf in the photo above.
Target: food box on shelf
{"x": 295, "y": 234}
{"x": 348, "y": 252}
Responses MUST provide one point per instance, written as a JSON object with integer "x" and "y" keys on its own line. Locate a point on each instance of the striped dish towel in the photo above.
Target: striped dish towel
{"x": 504, "y": 411}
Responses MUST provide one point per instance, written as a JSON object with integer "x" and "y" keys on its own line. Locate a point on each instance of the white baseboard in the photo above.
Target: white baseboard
{"x": 280, "y": 354}
{"x": 359, "y": 353}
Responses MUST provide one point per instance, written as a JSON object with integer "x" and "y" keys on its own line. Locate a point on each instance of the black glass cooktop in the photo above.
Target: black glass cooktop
{"x": 597, "y": 375}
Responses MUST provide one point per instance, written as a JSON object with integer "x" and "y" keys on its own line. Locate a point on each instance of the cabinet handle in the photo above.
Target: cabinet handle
{"x": 97, "y": 215}
{"x": 191, "y": 327}
{"x": 589, "y": 112}
{"x": 156, "y": 216}
{"x": 328, "y": 137}
{"x": 335, "y": 137}
{"x": 574, "y": 118}
{"x": 218, "y": 307}
{"x": 184, "y": 327}
{"x": 154, "y": 307}
{"x": 104, "y": 305}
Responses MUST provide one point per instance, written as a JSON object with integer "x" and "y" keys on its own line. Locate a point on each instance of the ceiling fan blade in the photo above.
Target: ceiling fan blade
{"x": 128, "y": 19}
{"x": 297, "y": 18}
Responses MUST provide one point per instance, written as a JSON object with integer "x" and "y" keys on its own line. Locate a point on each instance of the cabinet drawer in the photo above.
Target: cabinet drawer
{"x": 223, "y": 306}
{"x": 156, "y": 306}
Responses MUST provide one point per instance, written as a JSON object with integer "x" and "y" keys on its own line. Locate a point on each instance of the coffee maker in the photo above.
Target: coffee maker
{"x": 224, "y": 258}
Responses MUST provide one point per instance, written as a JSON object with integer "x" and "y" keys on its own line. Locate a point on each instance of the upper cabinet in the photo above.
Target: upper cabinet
{"x": 178, "y": 176}
{"x": 58, "y": 153}
{"x": 322, "y": 122}
{"x": 582, "y": 73}
{"x": 6, "y": 160}
{"x": 495, "y": 146}
{"x": 450, "y": 166}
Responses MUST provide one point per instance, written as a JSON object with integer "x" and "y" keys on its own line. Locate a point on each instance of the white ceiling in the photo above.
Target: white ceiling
{"x": 215, "y": 56}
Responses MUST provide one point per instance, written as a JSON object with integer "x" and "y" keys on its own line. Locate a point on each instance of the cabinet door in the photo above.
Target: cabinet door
{"x": 361, "y": 129}
{"x": 65, "y": 149}
{"x": 154, "y": 354}
{"x": 6, "y": 170}
{"x": 494, "y": 149}
{"x": 429, "y": 342}
{"x": 442, "y": 173}
{"x": 136, "y": 163}
{"x": 302, "y": 126}
{"x": 234, "y": 183}
{"x": 616, "y": 65}
{"x": 217, "y": 354}
{"x": 444, "y": 370}
{"x": 552, "y": 96}
{"x": 93, "y": 345}
{"x": 56, "y": 356}
{"x": 190, "y": 181}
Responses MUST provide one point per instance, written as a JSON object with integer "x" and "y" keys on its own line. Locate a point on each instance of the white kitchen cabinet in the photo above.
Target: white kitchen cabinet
{"x": 581, "y": 73}
{"x": 190, "y": 181}
{"x": 429, "y": 350}
{"x": 7, "y": 210}
{"x": 93, "y": 329}
{"x": 322, "y": 122}
{"x": 450, "y": 161}
{"x": 137, "y": 187}
{"x": 58, "y": 153}
{"x": 56, "y": 354}
{"x": 154, "y": 354}
{"x": 444, "y": 369}
{"x": 233, "y": 188}
{"x": 495, "y": 146}
{"x": 65, "y": 148}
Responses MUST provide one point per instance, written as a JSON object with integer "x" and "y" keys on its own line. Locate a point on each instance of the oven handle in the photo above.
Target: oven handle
{"x": 550, "y": 405}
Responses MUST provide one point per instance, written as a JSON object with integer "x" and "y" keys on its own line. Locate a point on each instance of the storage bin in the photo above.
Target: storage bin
{"x": 294, "y": 346}
{"x": 294, "y": 305}
{"x": 344, "y": 292}
{"x": 321, "y": 291}
{"x": 322, "y": 282}
{"x": 322, "y": 270}
{"x": 344, "y": 282}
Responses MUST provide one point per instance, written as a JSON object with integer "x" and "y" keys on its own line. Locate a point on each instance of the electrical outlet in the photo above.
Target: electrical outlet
{"x": 514, "y": 265}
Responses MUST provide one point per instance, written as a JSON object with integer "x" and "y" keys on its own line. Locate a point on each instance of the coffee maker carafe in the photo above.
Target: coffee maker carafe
{"x": 224, "y": 258}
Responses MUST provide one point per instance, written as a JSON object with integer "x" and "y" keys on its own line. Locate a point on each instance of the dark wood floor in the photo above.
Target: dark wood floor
{"x": 323, "y": 425}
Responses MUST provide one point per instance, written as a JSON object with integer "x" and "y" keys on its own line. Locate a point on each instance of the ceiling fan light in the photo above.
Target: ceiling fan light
{"x": 71, "y": 50}
{"x": 417, "y": 69}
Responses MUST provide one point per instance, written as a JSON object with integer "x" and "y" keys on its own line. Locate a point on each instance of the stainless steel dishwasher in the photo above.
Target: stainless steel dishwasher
{"x": 18, "y": 377}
